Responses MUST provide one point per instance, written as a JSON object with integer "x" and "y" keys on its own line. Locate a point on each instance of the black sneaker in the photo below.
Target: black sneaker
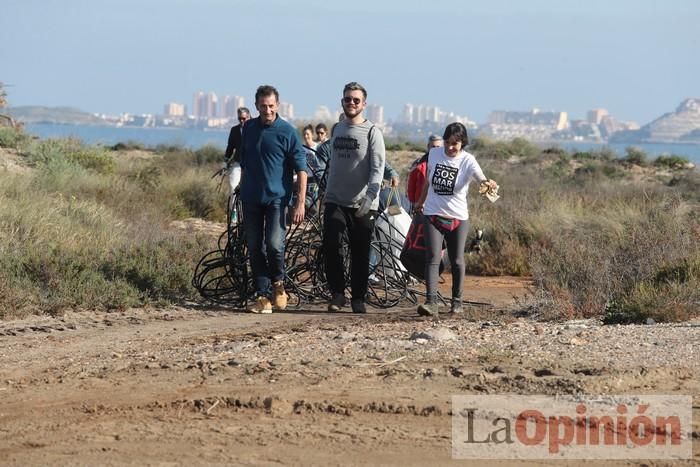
{"x": 337, "y": 302}
{"x": 358, "y": 305}
{"x": 427, "y": 309}
{"x": 456, "y": 307}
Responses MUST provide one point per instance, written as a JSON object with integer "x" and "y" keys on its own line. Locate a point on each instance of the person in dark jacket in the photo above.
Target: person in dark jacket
{"x": 234, "y": 137}
{"x": 232, "y": 156}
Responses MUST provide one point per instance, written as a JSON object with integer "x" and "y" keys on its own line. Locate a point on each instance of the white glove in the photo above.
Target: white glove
{"x": 234, "y": 175}
{"x": 364, "y": 207}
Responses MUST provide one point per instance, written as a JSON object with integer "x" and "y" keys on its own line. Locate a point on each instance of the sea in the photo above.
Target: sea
{"x": 197, "y": 138}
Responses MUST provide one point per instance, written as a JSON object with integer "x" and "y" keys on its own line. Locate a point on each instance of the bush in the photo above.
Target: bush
{"x": 199, "y": 200}
{"x": 65, "y": 252}
{"x": 525, "y": 149}
{"x": 671, "y": 162}
{"x": 128, "y": 146}
{"x": 627, "y": 261}
{"x": 148, "y": 178}
{"x": 484, "y": 148}
{"x": 405, "y": 146}
{"x": 595, "y": 169}
{"x": 57, "y": 152}
{"x": 93, "y": 158}
{"x": 208, "y": 154}
{"x": 635, "y": 155}
{"x": 12, "y": 138}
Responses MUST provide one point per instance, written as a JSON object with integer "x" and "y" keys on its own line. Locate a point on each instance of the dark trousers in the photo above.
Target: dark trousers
{"x": 338, "y": 220}
{"x": 455, "y": 251}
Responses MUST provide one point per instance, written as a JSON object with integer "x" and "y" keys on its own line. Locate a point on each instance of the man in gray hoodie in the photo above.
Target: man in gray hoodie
{"x": 356, "y": 169}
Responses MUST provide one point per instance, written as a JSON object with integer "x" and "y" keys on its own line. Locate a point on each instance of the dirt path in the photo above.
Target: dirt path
{"x": 192, "y": 386}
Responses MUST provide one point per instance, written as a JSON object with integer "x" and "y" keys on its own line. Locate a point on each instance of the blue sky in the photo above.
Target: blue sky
{"x": 637, "y": 58}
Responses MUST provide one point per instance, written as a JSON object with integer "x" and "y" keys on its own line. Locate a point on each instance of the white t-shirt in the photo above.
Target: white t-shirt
{"x": 448, "y": 183}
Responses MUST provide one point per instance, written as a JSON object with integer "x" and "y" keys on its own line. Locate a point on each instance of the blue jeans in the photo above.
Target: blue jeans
{"x": 265, "y": 224}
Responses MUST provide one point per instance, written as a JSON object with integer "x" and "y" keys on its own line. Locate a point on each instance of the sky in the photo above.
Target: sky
{"x": 637, "y": 58}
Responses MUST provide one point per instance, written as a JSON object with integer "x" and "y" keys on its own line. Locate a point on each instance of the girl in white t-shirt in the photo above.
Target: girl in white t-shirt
{"x": 443, "y": 202}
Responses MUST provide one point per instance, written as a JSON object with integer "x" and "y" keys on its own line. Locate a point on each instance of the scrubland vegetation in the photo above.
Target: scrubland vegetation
{"x": 88, "y": 228}
{"x": 601, "y": 236}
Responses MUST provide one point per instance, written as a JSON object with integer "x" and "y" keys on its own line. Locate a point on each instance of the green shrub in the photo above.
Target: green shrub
{"x": 671, "y": 162}
{"x": 12, "y": 138}
{"x": 128, "y": 146}
{"x": 556, "y": 151}
{"x": 604, "y": 154}
{"x": 635, "y": 155}
{"x": 484, "y": 148}
{"x": 627, "y": 261}
{"x": 208, "y": 154}
{"x": 525, "y": 149}
{"x": 62, "y": 252}
{"x": 595, "y": 169}
{"x": 93, "y": 158}
{"x": 583, "y": 155}
{"x": 55, "y": 152}
{"x": 148, "y": 178}
{"x": 404, "y": 146}
{"x": 170, "y": 148}
{"x": 200, "y": 200}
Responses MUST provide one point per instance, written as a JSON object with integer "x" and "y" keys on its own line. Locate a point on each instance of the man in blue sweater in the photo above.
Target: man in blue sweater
{"x": 271, "y": 152}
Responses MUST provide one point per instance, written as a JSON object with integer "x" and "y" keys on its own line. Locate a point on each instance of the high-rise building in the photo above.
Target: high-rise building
{"x": 536, "y": 125}
{"x": 204, "y": 105}
{"x": 375, "y": 113}
{"x": 432, "y": 114}
{"x": 323, "y": 114}
{"x": 198, "y": 104}
{"x": 174, "y": 109}
{"x": 230, "y": 106}
{"x": 596, "y": 115}
{"x": 419, "y": 115}
{"x": 286, "y": 110}
{"x": 407, "y": 114}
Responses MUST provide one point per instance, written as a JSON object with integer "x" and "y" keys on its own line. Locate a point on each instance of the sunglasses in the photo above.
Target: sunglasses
{"x": 320, "y": 132}
{"x": 353, "y": 100}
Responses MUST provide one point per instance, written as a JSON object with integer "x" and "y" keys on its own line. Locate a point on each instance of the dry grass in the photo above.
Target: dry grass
{"x": 76, "y": 236}
{"x": 90, "y": 228}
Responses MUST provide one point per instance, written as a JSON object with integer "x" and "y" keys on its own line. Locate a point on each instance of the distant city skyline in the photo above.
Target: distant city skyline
{"x": 637, "y": 59}
{"x": 211, "y": 105}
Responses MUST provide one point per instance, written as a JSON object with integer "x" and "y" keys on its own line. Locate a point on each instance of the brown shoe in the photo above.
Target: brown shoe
{"x": 261, "y": 305}
{"x": 279, "y": 296}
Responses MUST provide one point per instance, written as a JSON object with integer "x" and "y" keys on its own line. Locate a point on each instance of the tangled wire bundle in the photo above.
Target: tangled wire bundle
{"x": 223, "y": 275}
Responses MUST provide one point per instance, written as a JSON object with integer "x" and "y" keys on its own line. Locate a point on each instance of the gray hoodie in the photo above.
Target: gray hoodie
{"x": 356, "y": 164}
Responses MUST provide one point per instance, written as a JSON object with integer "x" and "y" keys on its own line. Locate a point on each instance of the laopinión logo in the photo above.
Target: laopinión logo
{"x": 571, "y": 427}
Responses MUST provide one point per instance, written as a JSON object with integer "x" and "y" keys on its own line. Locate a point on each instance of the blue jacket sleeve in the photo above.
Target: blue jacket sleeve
{"x": 297, "y": 153}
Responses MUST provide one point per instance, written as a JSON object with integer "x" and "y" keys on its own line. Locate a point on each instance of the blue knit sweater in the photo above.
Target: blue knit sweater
{"x": 270, "y": 155}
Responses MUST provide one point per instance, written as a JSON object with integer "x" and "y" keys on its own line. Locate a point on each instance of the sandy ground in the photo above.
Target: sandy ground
{"x": 211, "y": 386}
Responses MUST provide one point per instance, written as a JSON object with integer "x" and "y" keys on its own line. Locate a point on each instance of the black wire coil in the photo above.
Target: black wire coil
{"x": 223, "y": 276}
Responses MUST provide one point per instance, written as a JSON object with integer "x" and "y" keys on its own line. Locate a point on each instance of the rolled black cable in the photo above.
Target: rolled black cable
{"x": 223, "y": 276}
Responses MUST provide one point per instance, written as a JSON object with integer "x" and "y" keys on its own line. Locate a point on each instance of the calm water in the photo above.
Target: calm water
{"x": 197, "y": 138}
{"x": 109, "y": 136}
